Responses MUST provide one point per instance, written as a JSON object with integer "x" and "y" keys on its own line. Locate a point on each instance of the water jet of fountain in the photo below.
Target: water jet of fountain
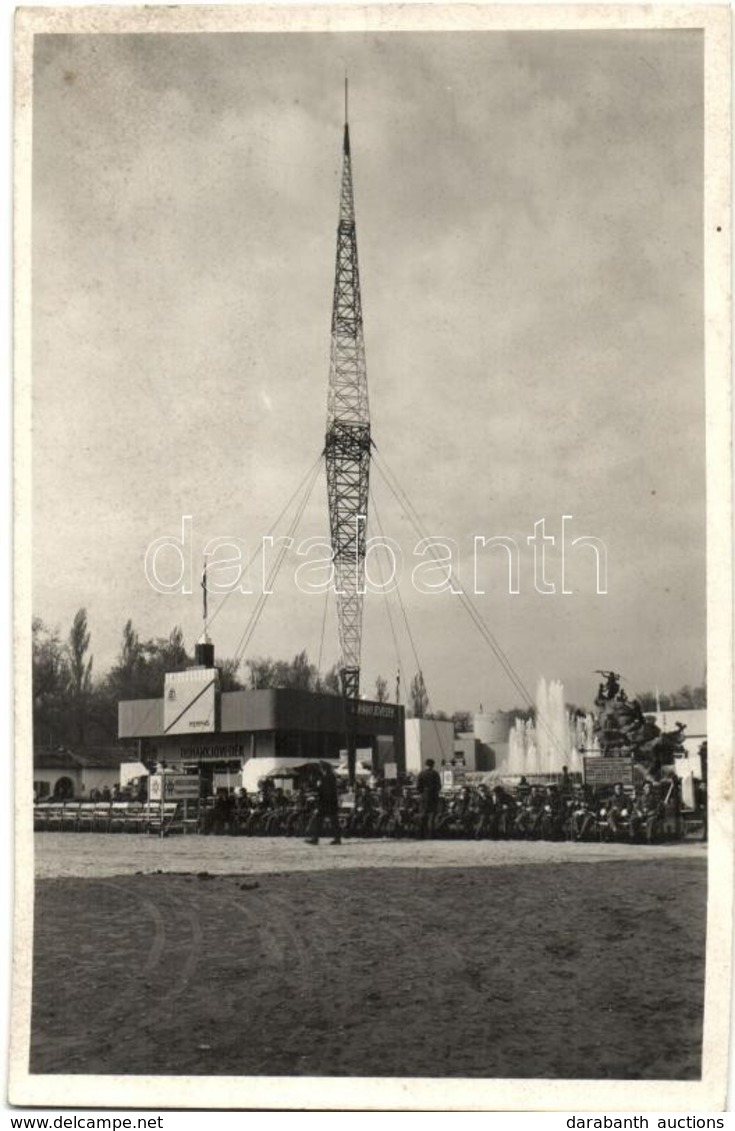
{"x": 554, "y": 741}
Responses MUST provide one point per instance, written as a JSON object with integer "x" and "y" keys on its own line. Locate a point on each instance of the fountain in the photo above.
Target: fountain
{"x": 556, "y": 738}
{"x": 553, "y": 741}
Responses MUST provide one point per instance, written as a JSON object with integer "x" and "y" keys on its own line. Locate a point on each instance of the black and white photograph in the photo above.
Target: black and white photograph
{"x": 373, "y": 581}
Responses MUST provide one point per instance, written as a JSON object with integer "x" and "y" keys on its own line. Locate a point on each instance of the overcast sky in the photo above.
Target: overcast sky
{"x": 529, "y": 215}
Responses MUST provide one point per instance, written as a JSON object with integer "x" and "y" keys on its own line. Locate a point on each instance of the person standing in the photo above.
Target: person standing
{"x": 429, "y": 785}
{"x": 327, "y": 806}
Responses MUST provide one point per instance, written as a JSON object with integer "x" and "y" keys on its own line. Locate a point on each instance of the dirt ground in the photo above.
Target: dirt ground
{"x": 506, "y": 965}
{"x": 90, "y": 854}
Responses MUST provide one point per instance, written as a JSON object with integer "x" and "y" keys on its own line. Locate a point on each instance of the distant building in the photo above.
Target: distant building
{"x": 695, "y": 721}
{"x": 470, "y": 750}
{"x": 65, "y": 773}
{"x": 492, "y": 734}
{"x": 428, "y": 738}
{"x": 234, "y": 737}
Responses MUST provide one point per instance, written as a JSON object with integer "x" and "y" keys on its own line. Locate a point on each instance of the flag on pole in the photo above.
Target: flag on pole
{"x": 204, "y": 591}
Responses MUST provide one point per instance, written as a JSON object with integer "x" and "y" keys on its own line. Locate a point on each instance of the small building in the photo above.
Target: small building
{"x": 694, "y": 720}
{"x": 689, "y": 764}
{"x": 492, "y": 732}
{"x": 469, "y": 751}
{"x": 63, "y": 773}
{"x": 194, "y": 726}
{"x": 428, "y": 738}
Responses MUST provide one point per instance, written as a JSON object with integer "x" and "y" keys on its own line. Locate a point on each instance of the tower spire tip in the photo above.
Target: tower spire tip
{"x": 346, "y": 146}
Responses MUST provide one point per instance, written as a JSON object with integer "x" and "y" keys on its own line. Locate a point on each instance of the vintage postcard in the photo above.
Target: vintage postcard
{"x": 373, "y": 580}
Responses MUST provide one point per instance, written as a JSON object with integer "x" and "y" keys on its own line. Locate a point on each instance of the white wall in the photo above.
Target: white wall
{"x": 51, "y": 777}
{"x": 695, "y": 721}
{"x": 467, "y": 748}
{"x": 98, "y": 778}
{"x": 491, "y": 729}
{"x": 689, "y": 765}
{"x": 227, "y": 781}
{"x": 428, "y": 738}
{"x": 256, "y": 768}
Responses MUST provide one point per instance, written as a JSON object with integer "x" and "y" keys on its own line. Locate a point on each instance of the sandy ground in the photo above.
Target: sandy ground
{"x": 380, "y": 958}
{"x": 104, "y": 854}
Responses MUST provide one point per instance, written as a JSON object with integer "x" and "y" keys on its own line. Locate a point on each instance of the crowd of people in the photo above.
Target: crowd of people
{"x": 418, "y": 807}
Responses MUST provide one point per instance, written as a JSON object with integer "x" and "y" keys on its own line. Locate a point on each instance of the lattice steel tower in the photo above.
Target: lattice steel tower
{"x": 347, "y": 447}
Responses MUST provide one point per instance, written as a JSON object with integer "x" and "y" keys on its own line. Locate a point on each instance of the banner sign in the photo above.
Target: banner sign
{"x": 390, "y": 771}
{"x": 599, "y": 771}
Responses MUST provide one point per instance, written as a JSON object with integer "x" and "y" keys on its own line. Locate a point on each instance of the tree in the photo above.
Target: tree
{"x": 526, "y": 714}
{"x": 228, "y": 680}
{"x": 298, "y": 674}
{"x": 130, "y": 653}
{"x": 463, "y": 722}
{"x": 50, "y": 682}
{"x": 126, "y": 676}
{"x": 419, "y": 696}
{"x": 699, "y": 697}
{"x": 158, "y": 656}
{"x": 329, "y": 684}
{"x": 140, "y": 673}
{"x": 69, "y": 708}
{"x": 261, "y": 673}
{"x": 50, "y": 674}
{"x": 142, "y": 665}
{"x": 169, "y": 654}
{"x": 80, "y": 673}
{"x": 381, "y": 689}
{"x": 687, "y": 698}
{"x": 80, "y": 668}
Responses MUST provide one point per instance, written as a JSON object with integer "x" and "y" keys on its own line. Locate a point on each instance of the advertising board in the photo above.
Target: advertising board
{"x": 190, "y": 701}
{"x": 174, "y": 787}
{"x": 599, "y": 771}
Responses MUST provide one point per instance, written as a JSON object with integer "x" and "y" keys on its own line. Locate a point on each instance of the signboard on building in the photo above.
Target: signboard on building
{"x": 211, "y": 752}
{"x": 173, "y": 787}
{"x": 190, "y": 701}
{"x": 365, "y": 709}
{"x": 390, "y": 771}
{"x": 599, "y": 771}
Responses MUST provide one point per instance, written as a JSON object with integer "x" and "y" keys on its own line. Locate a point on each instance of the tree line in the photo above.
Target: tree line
{"x": 75, "y": 706}
{"x": 687, "y": 698}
